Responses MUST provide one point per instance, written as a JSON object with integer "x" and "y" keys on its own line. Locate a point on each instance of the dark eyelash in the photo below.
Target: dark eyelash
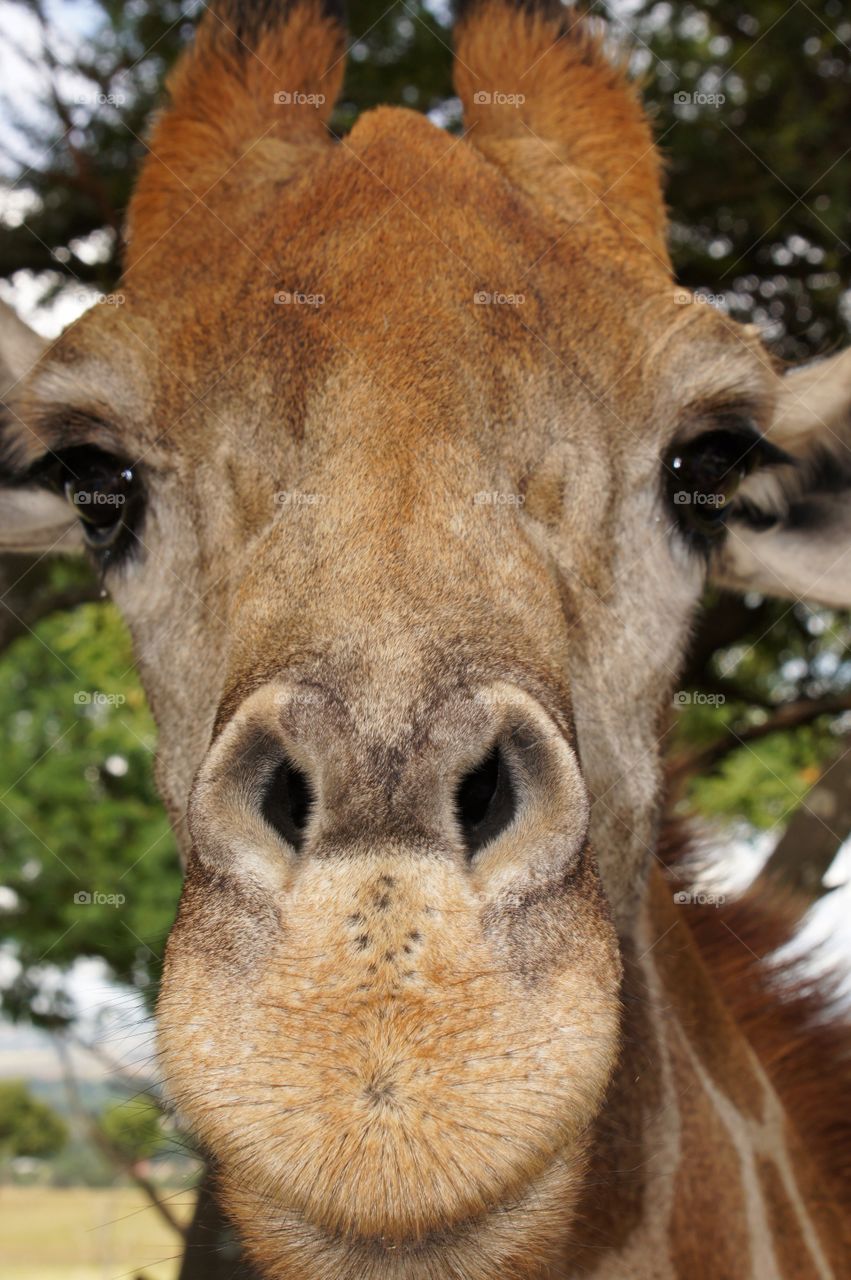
{"x": 702, "y": 475}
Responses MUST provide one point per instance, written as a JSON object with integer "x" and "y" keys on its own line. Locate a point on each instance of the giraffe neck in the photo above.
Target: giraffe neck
{"x": 696, "y": 1170}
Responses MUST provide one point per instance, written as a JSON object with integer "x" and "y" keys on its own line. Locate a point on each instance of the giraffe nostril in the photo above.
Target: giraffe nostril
{"x": 288, "y": 802}
{"x": 485, "y": 801}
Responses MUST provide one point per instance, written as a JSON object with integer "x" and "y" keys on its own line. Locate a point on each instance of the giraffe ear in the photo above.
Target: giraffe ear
{"x": 791, "y": 536}
{"x": 249, "y": 100}
{"x": 544, "y": 101}
{"x": 20, "y": 348}
{"x": 31, "y": 518}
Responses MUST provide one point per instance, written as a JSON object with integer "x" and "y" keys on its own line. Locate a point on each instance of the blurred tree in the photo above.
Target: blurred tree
{"x": 76, "y": 146}
{"x": 813, "y": 828}
{"x": 88, "y": 856}
{"x": 134, "y": 1127}
{"x": 81, "y": 1164}
{"x": 766, "y": 710}
{"x": 744, "y": 93}
{"x": 28, "y": 1127}
{"x": 123, "y": 1134}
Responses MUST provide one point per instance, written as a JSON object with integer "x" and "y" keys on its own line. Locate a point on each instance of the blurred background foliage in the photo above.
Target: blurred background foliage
{"x": 28, "y": 1126}
{"x": 82, "y": 808}
{"x": 761, "y": 224}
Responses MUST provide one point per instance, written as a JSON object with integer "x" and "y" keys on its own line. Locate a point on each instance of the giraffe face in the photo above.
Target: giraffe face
{"x": 405, "y": 464}
{"x": 397, "y": 633}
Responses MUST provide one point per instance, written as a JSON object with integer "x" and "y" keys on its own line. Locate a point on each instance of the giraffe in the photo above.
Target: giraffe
{"x": 407, "y": 465}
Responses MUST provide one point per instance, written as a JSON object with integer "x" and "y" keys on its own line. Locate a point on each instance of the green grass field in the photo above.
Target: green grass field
{"x": 84, "y": 1233}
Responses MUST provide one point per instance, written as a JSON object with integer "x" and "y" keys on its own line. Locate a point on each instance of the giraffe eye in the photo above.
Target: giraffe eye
{"x": 104, "y": 492}
{"x": 703, "y": 475}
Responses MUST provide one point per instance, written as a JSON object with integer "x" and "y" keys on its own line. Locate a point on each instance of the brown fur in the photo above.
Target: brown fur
{"x": 580, "y": 116}
{"x": 694, "y": 1015}
{"x": 390, "y": 525}
{"x": 224, "y": 130}
{"x": 792, "y": 1020}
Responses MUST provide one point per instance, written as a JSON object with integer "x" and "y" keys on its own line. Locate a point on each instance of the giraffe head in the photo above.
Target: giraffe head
{"x": 406, "y": 464}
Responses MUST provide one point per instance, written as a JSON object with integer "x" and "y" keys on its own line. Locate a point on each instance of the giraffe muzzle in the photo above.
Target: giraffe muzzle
{"x": 390, "y": 1004}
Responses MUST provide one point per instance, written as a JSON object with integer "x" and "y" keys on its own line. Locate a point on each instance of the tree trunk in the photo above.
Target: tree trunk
{"x": 212, "y": 1250}
{"x": 815, "y": 833}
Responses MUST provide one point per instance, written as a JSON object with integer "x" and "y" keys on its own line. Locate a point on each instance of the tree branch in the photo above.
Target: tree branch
{"x": 790, "y": 715}
{"x": 104, "y": 1145}
{"x": 814, "y": 835}
{"x": 88, "y": 179}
